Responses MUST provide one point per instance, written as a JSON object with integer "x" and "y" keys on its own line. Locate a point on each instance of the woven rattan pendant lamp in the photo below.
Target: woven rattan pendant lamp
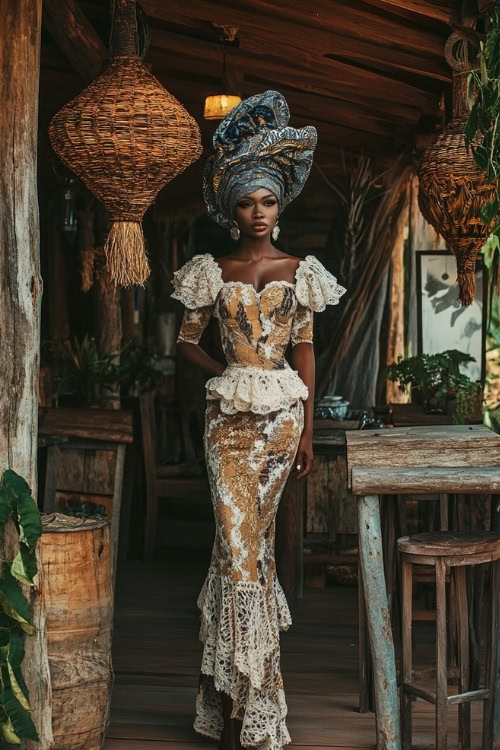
{"x": 125, "y": 136}
{"x": 452, "y": 189}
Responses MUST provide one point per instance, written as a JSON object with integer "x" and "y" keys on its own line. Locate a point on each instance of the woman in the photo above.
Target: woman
{"x": 259, "y": 415}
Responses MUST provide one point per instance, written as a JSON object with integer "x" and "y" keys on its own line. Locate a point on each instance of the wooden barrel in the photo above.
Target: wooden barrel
{"x": 76, "y": 558}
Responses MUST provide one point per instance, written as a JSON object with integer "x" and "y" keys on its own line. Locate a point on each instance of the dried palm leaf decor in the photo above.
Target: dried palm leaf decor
{"x": 452, "y": 189}
{"x": 125, "y": 136}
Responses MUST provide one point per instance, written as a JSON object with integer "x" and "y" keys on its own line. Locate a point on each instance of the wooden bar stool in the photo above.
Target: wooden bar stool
{"x": 450, "y": 552}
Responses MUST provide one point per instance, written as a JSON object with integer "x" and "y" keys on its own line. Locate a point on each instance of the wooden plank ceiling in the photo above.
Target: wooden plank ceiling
{"x": 369, "y": 74}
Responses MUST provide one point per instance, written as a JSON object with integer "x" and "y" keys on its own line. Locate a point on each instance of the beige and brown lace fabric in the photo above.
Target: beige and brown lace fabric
{"x": 254, "y": 420}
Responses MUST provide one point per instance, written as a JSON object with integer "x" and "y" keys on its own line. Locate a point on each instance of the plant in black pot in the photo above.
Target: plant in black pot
{"x": 433, "y": 380}
{"x": 80, "y": 371}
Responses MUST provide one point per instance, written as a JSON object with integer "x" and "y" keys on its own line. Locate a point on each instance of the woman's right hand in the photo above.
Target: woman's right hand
{"x": 195, "y": 354}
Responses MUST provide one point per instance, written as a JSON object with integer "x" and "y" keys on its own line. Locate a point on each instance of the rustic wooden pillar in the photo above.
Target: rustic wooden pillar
{"x": 109, "y": 334}
{"x": 396, "y": 343}
{"x": 56, "y": 281}
{"x": 20, "y": 296}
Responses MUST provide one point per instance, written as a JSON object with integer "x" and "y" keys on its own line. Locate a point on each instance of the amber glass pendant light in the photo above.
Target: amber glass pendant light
{"x": 217, "y": 106}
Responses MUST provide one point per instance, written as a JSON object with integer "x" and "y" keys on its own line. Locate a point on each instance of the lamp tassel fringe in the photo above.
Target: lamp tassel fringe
{"x": 125, "y": 250}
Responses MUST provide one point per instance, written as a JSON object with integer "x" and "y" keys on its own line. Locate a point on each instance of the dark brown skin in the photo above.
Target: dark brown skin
{"x": 257, "y": 262}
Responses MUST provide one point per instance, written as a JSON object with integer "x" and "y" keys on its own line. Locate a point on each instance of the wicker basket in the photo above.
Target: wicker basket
{"x": 126, "y": 137}
{"x": 452, "y": 191}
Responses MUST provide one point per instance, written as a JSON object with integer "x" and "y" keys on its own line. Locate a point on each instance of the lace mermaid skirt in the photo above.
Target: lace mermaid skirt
{"x": 243, "y": 608}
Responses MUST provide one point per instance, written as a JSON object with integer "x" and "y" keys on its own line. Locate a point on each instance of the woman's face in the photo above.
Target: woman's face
{"x": 257, "y": 213}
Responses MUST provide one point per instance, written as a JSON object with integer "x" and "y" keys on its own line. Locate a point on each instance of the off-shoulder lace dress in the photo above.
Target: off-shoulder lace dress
{"x": 253, "y": 423}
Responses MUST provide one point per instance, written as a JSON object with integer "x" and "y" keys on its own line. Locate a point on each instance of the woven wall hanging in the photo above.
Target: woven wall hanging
{"x": 125, "y": 136}
{"x": 452, "y": 189}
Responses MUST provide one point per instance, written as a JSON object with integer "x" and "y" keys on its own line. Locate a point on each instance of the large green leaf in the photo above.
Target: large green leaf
{"x": 25, "y": 508}
{"x": 12, "y": 601}
{"x": 7, "y": 498}
{"x": 472, "y": 124}
{"x": 9, "y": 734}
{"x": 15, "y": 655}
{"x": 24, "y": 566}
{"x": 20, "y": 718}
{"x": 29, "y": 519}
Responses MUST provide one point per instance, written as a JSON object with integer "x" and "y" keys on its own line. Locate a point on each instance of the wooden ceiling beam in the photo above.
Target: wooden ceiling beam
{"x": 366, "y": 52}
{"x": 75, "y": 36}
{"x": 439, "y": 10}
{"x": 306, "y": 24}
{"x": 338, "y": 78}
{"x": 375, "y": 120}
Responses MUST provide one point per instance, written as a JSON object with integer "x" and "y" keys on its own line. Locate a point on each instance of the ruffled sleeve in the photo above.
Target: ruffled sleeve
{"x": 198, "y": 282}
{"x": 315, "y": 286}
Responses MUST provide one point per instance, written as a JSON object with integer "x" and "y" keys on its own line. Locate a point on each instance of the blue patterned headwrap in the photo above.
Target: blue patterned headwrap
{"x": 255, "y": 148}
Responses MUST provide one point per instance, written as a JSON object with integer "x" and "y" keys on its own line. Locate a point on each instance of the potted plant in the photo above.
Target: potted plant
{"x": 432, "y": 379}
{"x": 82, "y": 371}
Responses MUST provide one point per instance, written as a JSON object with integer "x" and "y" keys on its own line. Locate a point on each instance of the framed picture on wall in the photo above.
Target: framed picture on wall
{"x": 443, "y": 323}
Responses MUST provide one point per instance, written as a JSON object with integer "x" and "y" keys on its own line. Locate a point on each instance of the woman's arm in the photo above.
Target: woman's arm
{"x": 194, "y": 322}
{"x": 195, "y": 354}
{"x": 303, "y": 361}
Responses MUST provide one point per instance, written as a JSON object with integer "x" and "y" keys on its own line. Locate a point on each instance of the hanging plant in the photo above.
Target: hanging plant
{"x": 453, "y": 189}
{"x": 482, "y": 132}
{"x": 16, "y": 504}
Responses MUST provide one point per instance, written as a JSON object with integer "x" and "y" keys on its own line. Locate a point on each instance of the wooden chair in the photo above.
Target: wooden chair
{"x": 163, "y": 481}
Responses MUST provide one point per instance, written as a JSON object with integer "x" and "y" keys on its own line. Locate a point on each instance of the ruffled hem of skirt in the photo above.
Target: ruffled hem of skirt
{"x": 240, "y": 624}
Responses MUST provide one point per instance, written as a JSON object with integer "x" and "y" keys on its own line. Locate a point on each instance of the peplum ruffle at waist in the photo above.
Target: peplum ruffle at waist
{"x": 250, "y": 388}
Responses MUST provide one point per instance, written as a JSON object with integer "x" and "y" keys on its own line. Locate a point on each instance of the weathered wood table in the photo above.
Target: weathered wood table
{"x": 408, "y": 460}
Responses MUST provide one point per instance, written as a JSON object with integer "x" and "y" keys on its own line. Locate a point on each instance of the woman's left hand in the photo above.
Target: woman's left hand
{"x": 305, "y": 458}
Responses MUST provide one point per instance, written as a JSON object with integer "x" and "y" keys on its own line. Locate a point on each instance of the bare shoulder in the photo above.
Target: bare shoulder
{"x": 292, "y": 262}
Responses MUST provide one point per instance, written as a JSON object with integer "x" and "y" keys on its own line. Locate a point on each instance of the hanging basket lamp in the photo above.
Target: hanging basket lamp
{"x": 126, "y": 137}
{"x": 452, "y": 189}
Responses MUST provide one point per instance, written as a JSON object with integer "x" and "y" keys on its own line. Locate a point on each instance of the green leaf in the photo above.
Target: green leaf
{"x": 12, "y": 601}
{"x": 7, "y": 498}
{"x": 489, "y": 211}
{"x": 24, "y": 566}
{"x": 481, "y": 157}
{"x": 489, "y": 249}
{"x": 9, "y": 734}
{"x": 29, "y": 519}
{"x": 16, "y": 688}
{"x": 15, "y": 655}
{"x": 471, "y": 124}
{"x": 20, "y": 718}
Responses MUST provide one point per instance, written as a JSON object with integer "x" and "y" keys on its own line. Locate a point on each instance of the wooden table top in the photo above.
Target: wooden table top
{"x": 425, "y": 446}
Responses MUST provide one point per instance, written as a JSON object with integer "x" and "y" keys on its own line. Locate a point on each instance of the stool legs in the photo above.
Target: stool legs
{"x": 463, "y": 656}
{"x": 407, "y": 660}
{"x": 441, "y": 666}
{"x": 491, "y": 716}
{"x": 379, "y": 623}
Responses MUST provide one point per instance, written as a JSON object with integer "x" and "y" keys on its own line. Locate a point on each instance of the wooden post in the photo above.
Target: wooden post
{"x": 379, "y": 623}
{"x": 20, "y": 295}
